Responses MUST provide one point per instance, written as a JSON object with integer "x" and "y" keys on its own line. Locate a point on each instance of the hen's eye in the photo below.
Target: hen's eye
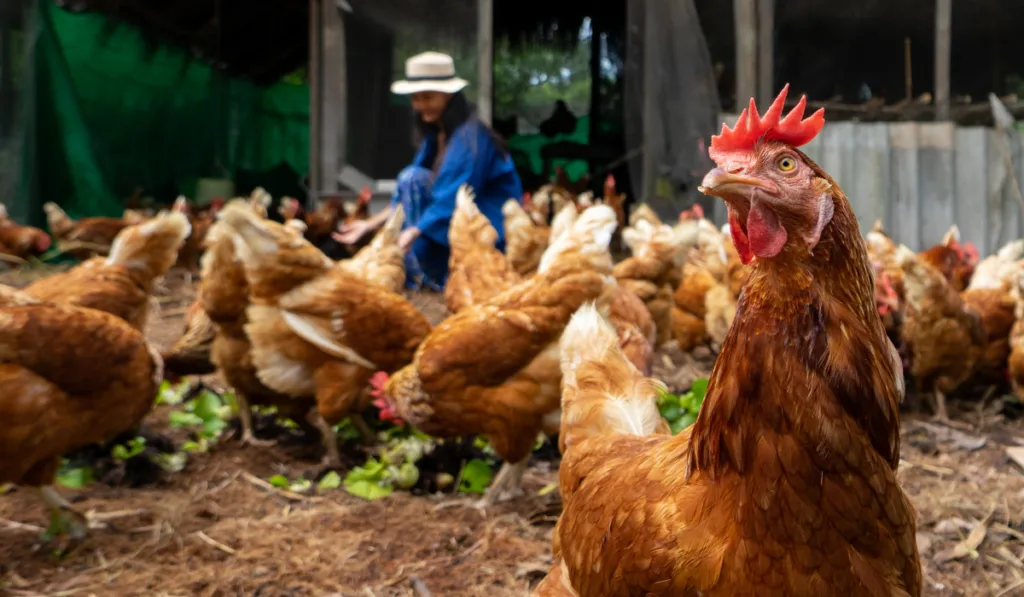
{"x": 786, "y": 164}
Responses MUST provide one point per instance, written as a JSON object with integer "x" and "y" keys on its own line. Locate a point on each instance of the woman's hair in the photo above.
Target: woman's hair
{"x": 455, "y": 114}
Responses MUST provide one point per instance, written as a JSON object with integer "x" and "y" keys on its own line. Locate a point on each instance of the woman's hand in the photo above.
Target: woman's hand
{"x": 409, "y": 236}
{"x": 353, "y": 232}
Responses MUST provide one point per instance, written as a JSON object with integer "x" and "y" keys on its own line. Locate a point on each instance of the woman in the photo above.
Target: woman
{"x": 457, "y": 148}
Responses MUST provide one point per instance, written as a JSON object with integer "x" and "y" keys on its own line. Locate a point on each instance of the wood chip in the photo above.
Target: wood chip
{"x": 1016, "y": 453}
{"x": 1009, "y": 557}
{"x": 253, "y": 479}
{"x": 966, "y": 547}
{"x": 214, "y": 543}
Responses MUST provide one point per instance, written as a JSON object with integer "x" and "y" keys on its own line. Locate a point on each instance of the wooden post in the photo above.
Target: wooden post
{"x": 651, "y": 118}
{"x": 596, "y": 27}
{"x": 908, "y": 71}
{"x": 766, "y": 52}
{"x": 333, "y": 96}
{"x": 943, "y": 51}
{"x": 485, "y": 66}
{"x": 745, "y": 16}
{"x": 315, "y": 83}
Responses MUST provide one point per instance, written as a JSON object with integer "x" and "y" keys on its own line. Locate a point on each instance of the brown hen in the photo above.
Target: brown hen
{"x": 317, "y": 330}
{"x": 69, "y": 377}
{"x": 121, "y": 283}
{"x": 477, "y": 270}
{"x": 786, "y": 483}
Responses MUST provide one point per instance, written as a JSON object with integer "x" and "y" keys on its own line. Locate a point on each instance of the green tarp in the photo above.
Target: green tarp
{"x": 105, "y": 111}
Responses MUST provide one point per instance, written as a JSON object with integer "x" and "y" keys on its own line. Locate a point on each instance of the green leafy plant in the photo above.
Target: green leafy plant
{"x": 680, "y": 410}
{"x": 368, "y": 481}
{"x": 476, "y": 475}
{"x": 134, "y": 447}
{"x": 172, "y": 394}
{"x": 75, "y": 478}
{"x": 300, "y": 485}
{"x": 395, "y": 468}
{"x": 331, "y": 480}
{"x": 207, "y": 412}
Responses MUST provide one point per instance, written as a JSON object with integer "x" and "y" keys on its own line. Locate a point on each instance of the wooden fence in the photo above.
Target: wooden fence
{"x": 922, "y": 177}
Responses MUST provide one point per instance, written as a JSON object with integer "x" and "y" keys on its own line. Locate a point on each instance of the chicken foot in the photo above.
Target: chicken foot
{"x": 64, "y": 518}
{"x": 942, "y": 415}
{"x": 507, "y": 484}
{"x": 333, "y": 457}
{"x": 245, "y": 417}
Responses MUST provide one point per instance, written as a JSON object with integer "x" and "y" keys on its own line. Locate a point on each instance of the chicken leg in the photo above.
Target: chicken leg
{"x": 369, "y": 437}
{"x": 942, "y": 415}
{"x": 507, "y": 484}
{"x": 332, "y": 459}
{"x": 64, "y": 518}
{"x": 245, "y": 417}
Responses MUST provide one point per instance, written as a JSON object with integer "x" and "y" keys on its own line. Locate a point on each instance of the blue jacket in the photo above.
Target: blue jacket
{"x": 471, "y": 157}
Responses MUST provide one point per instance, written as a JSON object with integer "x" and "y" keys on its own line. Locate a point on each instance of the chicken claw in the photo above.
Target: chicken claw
{"x": 245, "y": 416}
{"x": 333, "y": 457}
{"x": 65, "y": 520}
{"x": 507, "y": 484}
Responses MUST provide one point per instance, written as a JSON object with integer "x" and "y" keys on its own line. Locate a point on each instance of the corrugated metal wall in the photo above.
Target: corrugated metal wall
{"x": 922, "y": 177}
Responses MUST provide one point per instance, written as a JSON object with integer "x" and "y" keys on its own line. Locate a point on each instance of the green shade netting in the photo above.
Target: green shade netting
{"x": 105, "y": 112}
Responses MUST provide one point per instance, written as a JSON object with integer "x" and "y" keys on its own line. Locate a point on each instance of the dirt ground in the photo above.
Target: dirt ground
{"x": 217, "y": 529}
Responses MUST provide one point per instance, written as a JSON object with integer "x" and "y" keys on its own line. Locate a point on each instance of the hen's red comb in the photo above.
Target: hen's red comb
{"x": 792, "y": 129}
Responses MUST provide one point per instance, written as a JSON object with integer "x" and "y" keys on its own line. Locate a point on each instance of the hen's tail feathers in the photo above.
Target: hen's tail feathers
{"x": 602, "y": 392}
{"x": 643, "y": 212}
{"x": 590, "y": 235}
{"x": 469, "y": 227}
{"x": 392, "y": 228}
{"x": 56, "y": 218}
{"x": 151, "y": 247}
{"x": 296, "y": 225}
{"x": 260, "y": 199}
{"x": 563, "y": 221}
{"x": 249, "y": 228}
{"x": 1012, "y": 251}
{"x": 952, "y": 236}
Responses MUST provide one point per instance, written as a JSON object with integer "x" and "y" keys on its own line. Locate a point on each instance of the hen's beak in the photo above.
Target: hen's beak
{"x": 720, "y": 183}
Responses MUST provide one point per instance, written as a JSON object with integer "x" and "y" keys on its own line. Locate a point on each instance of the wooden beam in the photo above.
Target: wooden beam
{"x": 745, "y": 18}
{"x": 485, "y": 65}
{"x": 943, "y": 52}
{"x": 766, "y": 51}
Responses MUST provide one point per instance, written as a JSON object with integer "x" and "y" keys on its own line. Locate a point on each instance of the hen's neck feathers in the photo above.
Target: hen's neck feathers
{"x": 806, "y": 358}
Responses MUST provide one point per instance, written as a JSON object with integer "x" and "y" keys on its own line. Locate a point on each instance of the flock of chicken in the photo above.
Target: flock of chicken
{"x": 287, "y": 326}
{"x": 956, "y": 321}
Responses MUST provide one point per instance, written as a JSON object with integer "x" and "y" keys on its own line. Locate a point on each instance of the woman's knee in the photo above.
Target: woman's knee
{"x": 414, "y": 175}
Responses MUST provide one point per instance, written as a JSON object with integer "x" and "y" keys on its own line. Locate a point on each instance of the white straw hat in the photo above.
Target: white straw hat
{"x": 429, "y": 71}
